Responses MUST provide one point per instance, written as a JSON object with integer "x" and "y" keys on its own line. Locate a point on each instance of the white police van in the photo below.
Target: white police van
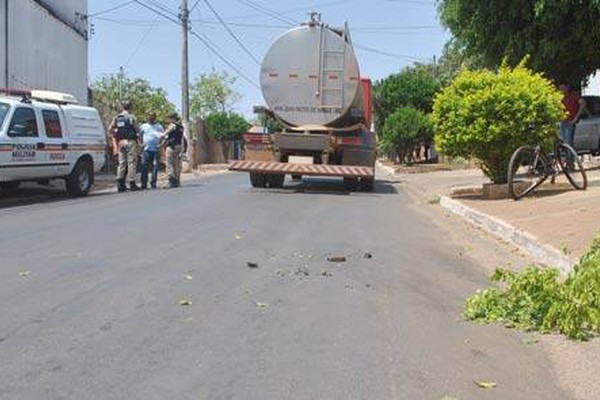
{"x": 47, "y": 135}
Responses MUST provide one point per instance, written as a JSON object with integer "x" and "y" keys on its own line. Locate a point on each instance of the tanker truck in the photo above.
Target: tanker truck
{"x": 312, "y": 86}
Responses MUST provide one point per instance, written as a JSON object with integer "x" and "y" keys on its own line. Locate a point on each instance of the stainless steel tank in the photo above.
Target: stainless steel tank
{"x": 310, "y": 76}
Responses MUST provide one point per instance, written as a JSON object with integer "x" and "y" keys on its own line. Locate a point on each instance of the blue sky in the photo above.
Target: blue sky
{"x": 391, "y": 34}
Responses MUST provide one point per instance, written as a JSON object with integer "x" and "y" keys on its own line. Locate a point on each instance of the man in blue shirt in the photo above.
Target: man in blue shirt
{"x": 151, "y": 134}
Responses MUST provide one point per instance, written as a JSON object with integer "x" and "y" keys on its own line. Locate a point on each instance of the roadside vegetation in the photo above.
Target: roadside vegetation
{"x": 485, "y": 115}
{"x": 537, "y": 299}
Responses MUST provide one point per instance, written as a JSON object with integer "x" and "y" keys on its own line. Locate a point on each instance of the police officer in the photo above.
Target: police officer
{"x": 173, "y": 140}
{"x": 125, "y": 129}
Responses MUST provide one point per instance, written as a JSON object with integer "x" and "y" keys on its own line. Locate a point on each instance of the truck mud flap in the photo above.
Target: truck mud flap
{"x": 270, "y": 167}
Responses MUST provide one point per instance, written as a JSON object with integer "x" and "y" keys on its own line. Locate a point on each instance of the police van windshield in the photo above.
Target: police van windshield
{"x": 3, "y": 111}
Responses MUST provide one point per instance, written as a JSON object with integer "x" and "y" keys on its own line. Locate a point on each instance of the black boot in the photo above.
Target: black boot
{"x": 133, "y": 187}
{"x": 172, "y": 182}
{"x": 121, "y": 185}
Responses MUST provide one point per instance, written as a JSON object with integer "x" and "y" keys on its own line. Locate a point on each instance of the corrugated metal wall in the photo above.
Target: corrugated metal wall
{"x": 43, "y": 52}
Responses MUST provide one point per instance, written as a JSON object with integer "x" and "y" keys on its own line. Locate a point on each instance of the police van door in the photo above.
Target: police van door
{"x": 24, "y": 159}
{"x": 56, "y": 147}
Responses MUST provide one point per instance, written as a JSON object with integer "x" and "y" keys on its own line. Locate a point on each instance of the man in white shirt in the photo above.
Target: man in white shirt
{"x": 151, "y": 134}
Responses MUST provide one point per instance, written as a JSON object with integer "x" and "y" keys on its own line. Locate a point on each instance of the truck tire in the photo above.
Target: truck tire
{"x": 297, "y": 177}
{"x": 258, "y": 180}
{"x": 366, "y": 184}
{"x": 350, "y": 184}
{"x": 10, "y": 185}
{"x": 79, "y": 182}
{"x": 275, "y": 180}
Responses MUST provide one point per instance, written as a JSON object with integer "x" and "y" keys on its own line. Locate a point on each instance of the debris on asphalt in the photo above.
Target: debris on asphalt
{"x": 327, "y": 274}
{"x": 348, "y": 287}
{"x": 449, "y": 398}
{"x": 368, "y": 255}
{"x": 281, "y": 273}
{"x": 24, "y": 274}
{"x": 252, "y": 264}
{"x": 368, "y": 285}
{"x": 486, "y": 384}
{"x": 185, "y": 302}
{"x": 336, "y": 259}
{"x": 302, "y": 271}
{"x": 238, "y": 236}
{"x": 188, "y": 277}
{"x": 262, "y": 306}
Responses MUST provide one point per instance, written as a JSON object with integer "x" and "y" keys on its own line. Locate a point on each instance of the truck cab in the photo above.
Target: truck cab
{"x": 46, "y": 136}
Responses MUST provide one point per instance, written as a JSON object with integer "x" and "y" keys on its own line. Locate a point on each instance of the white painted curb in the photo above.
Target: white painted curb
{"x": 541, "y": 253}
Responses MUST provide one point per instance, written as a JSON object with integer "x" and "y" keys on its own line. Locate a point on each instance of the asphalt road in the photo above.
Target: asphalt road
{"x": 91, "y": 288}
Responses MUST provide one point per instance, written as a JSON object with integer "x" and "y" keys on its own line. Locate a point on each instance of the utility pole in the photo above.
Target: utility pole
{"x": 121, "y": 76}
{"x": 185, "y": 91}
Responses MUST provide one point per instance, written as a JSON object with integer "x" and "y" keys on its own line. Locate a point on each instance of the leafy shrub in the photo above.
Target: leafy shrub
{"x": 535, "y": 299}
{"x": 487, "y": 115}
{"x": 403, "y": 130}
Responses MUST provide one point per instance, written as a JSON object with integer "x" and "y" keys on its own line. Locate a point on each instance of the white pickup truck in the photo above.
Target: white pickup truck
{"x": 47, "y": 135}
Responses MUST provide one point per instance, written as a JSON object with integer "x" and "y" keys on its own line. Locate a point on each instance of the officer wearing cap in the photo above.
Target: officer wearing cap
{"x": 125, "y": 129}
{"x": 173, "y": 140}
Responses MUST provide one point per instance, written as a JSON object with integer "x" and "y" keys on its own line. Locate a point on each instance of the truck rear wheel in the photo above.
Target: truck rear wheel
{"x": 79, "y": 182}
{"x": 366, "y": 184}
{"x": 350, "y": 183}
{"x": 275, "y": 180}
{"x": 258, "y": 180}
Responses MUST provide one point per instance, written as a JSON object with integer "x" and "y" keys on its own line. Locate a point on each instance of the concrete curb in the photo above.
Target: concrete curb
{"x": 541, "y": 253}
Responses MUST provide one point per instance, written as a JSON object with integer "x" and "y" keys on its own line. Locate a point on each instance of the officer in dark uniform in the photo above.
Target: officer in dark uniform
{"x": 173, "y": 140}
{"x": 125, "y": 129}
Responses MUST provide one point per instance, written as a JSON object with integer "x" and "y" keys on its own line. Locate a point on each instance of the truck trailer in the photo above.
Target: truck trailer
{"x": 312, "y": 86}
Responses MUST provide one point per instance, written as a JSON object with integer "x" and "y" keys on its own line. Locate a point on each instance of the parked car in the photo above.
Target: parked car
{"x": 47, "y": 135}
{"x": 587, "y": 130}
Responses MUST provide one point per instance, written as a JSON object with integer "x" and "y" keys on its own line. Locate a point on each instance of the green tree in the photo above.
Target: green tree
{"x": 404, "y": 129}
{"x": 213, "y": 92}
{"x": 225, "y": 125}
{"x": 487, "y": 115}
{"x": 560, "y": 36}
{"x": 414, "y": 87}
{"x": 108, "y": 90}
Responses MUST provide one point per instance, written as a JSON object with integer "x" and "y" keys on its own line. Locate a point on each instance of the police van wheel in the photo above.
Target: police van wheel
{"x": 10, "y": 185}
{"x": 79, "y": 182}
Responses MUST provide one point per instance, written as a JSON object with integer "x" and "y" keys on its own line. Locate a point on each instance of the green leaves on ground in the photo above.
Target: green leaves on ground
{"x": 487, "y": 115}
{"x": 535, "y": 299}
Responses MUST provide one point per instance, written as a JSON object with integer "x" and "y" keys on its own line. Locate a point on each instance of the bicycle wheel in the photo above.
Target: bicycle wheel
{"x": 572, "y": 167}
{"x": 526, "y": 171}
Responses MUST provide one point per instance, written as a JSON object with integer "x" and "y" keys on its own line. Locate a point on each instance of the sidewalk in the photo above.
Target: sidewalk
{"x": 554, "y": 225}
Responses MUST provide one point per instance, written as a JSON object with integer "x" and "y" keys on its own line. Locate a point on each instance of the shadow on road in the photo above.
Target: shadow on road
{"x": 31, "y": 194}
{"x": 328, "y": 186}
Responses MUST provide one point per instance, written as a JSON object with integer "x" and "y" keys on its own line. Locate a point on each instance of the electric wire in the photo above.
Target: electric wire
{"x": 231, "y": 33}
{"x": 111, "y": 9}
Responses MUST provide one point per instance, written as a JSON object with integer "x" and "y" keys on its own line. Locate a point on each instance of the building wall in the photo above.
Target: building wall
{"x": 43, "y": 52}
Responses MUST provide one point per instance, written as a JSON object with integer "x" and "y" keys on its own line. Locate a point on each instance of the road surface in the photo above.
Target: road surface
{"x": 92, "y": 292}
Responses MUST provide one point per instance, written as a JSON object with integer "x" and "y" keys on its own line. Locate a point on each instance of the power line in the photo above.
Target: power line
{"x": 206, "y": 43}
{"x": 139, "y": 45}
{"x": 231, "y": 33}
{"x": 164, "y": 8}
{"x": 194, "y": 6}
{"x": 225, "y": 60}
{"x": 111, "y": 9}
{"x": 267, "y": 12}
{"x": 383, "y": 53}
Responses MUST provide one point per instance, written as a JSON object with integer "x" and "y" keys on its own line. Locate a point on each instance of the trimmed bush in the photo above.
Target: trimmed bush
{"x": 487, "y": 115}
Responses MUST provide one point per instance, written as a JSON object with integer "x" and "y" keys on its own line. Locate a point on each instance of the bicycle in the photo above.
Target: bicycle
{"x": 530, "y": 166}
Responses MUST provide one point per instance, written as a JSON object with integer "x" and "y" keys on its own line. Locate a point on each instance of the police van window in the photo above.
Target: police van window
{"x": 52, "y": 124}
{"x": 23, "y": 123}
{"x": 3, "y": 111}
